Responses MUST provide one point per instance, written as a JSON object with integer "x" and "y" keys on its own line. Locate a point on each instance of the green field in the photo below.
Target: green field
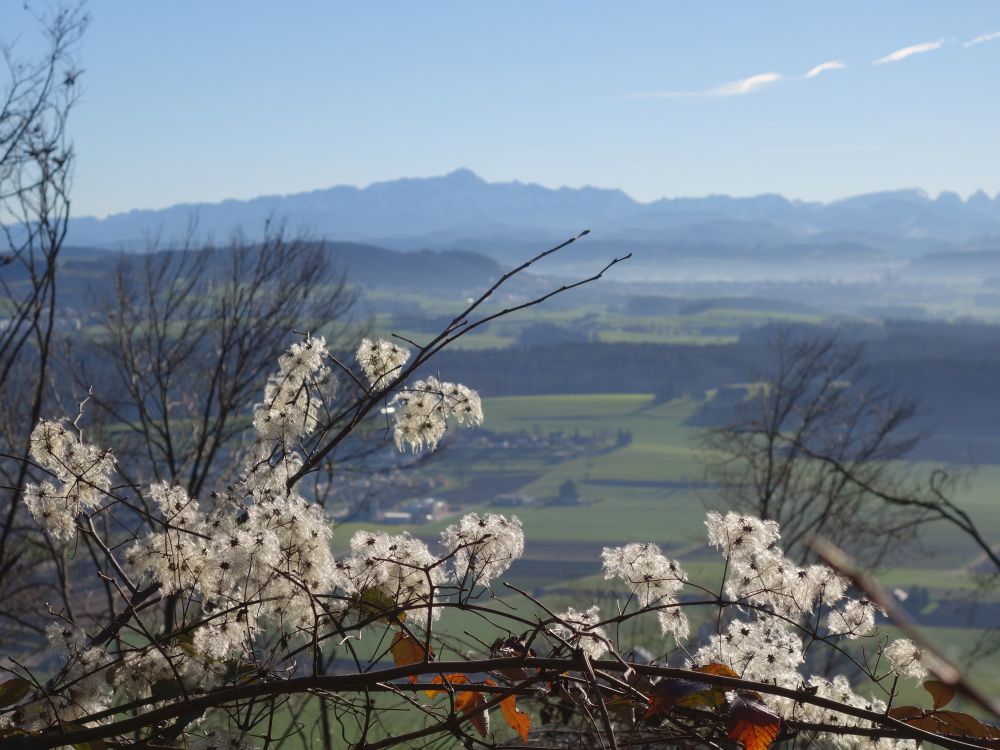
{"x": 636, "y": 493}
{"x": 585, "y": 319}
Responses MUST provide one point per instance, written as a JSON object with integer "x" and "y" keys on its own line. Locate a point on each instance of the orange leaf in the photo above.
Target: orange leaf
{"x": 519, "y": 721}
{"x": 436, "y": 681}
{"x": 407, "y": 650}
{"x": 452, "y": 679}
{"x": 941, "y": 692}
{"x": 718, "y": 669}
{"x": 471, "y": 704}
{"x": 751, "y": 723}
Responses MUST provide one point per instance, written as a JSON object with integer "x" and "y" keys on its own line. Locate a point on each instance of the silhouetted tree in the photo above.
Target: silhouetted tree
{"x": 36, "y": 169}
{"x": 820, "y": 448}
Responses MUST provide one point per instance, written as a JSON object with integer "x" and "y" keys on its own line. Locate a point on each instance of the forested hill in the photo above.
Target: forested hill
{"x": 951, "y": 369}
{"x": 602, "y": 368}
{"x": 930, "y": 357}
{"x": 86, "y": 271}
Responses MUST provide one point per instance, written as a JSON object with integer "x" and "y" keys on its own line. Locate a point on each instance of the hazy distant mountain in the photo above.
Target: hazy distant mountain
{"x": 440, "y": 210}
{"x": 719, "y": 236}
{"x": 458, "y": 202}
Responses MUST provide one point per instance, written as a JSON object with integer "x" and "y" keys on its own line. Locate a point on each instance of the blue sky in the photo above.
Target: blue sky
{"x": 188, "y": 100}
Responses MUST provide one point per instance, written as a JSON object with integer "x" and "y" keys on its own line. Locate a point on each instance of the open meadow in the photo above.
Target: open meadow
{"x": 651, "y": 489}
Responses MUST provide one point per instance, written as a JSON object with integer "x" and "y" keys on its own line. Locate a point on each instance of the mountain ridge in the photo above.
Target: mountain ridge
{"x": 507, "y": 221}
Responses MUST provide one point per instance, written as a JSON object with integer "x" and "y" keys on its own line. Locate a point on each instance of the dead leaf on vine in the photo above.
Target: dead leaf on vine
{"x": 518, "y": 720}
{"x": 471, "y": 704}
{"x": 466, "y": 701}
{"x": 670, "y": 692}
{"x": 512, "y": 647}
{"x": 622, "y": 708}
{"x": 941, "y": 692}
{"x": 949, "y": 723}
{"x": 718, "y": 669}
{"x": 751, "y": 723}
{"x": 966, "y": 725}
{"x": 407, "y": 650}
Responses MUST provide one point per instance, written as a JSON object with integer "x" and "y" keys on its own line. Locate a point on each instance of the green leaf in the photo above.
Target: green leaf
{"x": 172, "y": 732}
{"x": 166, "y": 690}
{"x": 707, "y": 698}
{"x": 374, "y": 602}
{"x": 13, "y": 690}
{"x": 670, "y": 692}
{"x": 186, "y": 643}
{"x": 239, "y": 670}
{"x": 72, "y": 726}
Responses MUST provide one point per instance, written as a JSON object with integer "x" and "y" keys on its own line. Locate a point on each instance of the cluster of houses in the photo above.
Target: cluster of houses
{"x": 418, "y": 511}
{"x": 389, "y": 495}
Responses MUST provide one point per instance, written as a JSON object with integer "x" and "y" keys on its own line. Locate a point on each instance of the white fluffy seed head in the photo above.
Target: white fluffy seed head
{"x": 763, "y": 649}
{"x": 853, "y": 619}
{"x": 482, "y": 546}
{"x": 652, "y": 577}
{"x": 905, "y": 658}
{"x": 739, "y": 536}
{"x": 393, "y": 570}
{"x": 381, "y": 361}
{"x": 839, "y": 689}
{"x": 580, "y": 630}
{"x": 654, "y": 580}
{"x": 295, "y": 396}
{"x": 422, "y": 412}
{"x": 674, "y": 622}
{"x": 82, "y": 478}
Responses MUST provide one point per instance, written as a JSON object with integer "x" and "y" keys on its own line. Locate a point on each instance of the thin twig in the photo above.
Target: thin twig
{"x": 937, "y": 664}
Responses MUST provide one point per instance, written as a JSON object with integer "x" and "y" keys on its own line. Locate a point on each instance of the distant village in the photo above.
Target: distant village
{"x": 386, "y": 494}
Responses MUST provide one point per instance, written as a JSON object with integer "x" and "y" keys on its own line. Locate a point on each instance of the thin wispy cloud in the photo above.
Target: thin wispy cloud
{"x": 754, "y": 83}
{"x": 982, "y": 38}
{"x": 745, "y": 85}
{"x": 741, "y": 86}
{"x": 823, "y": 67}
{"x": 905, "y": 52}
{"x": 733, "y": 88}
